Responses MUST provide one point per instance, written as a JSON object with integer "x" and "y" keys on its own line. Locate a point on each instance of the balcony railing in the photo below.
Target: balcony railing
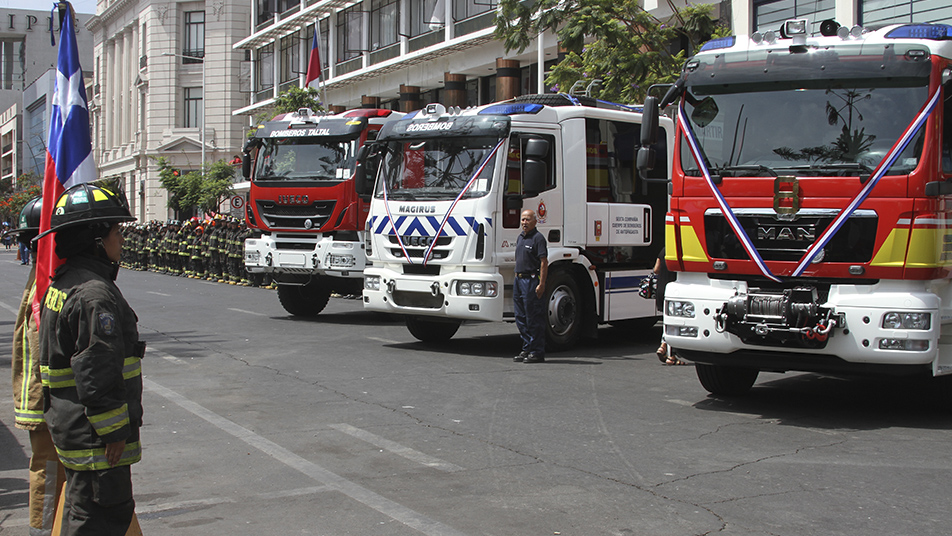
{"x": 195, "y": 54}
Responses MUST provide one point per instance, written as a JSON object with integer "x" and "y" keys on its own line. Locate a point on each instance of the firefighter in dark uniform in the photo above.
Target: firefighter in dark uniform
{"x": 532, "y": 267}
{"x": 90, "y": 368}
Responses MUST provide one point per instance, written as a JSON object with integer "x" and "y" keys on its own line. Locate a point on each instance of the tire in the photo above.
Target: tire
{"x": 563, "y": 306}
{"x": 306, "y": 300}
{"x": 429, "y": 330}
{"x": 726, "y": 381}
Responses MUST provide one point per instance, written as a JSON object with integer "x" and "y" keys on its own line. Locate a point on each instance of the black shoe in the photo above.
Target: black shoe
{"x": 521, "y": 357}
{"x": 534, "y": 358}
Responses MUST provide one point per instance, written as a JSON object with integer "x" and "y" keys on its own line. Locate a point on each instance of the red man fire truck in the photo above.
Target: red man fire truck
{"x": 810, "y": 204}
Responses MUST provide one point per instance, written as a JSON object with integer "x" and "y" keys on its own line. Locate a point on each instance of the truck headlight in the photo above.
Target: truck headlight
{"x": 906, "y": 345}
{"x": 372, "y": 282}
{"x": 683, "y": 309}
{"x": 680, "y": 331}
{"x": 901, "y": 320}
{"x": 477, "y": 288}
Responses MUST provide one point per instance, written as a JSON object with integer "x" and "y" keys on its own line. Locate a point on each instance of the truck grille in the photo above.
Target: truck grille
{"x": 296, "y": 216}
{"x": 416, "y": 246}
{"x": 778, "y": 240}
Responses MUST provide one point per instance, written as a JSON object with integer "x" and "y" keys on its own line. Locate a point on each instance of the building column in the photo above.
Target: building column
{"x": 508, "y": 78}
{"x": 366, "y": 101}
{"x": 454, "y": 89}
{"x": 409, "y": 98}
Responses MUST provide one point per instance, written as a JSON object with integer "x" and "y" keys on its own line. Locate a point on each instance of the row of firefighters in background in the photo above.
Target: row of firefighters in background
{"x": 210, "y": 249}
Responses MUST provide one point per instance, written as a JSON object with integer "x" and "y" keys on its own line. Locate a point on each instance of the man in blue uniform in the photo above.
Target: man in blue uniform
{"x": 532, "y": 266}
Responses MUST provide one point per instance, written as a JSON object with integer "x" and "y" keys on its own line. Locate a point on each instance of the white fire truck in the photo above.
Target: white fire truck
{"x": 303, "y": 201}
{"x": 450, "y": 187}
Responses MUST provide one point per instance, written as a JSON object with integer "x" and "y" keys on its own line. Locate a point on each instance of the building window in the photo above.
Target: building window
{"x": 35, "y": 137}
{"x": 265, "y": 68}
{"x": 194, "y": 36}
{"x": 193, "y": 107}
{"x": 290, "y": 58}
{"x": 874, "y": 13}
{"x": 426, "y": 16}
{"x": 350, "y": 33}
{"x": 11, "y": 64}
{"x": 264, "y": 12}
{"x": 384, "y": 22}
{"x": 770, "y": 14}
{"x": 464, "y": 9}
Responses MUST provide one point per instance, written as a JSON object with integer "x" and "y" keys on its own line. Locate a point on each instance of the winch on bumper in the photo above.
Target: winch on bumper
{"x": 462, "y": 295}
{"x": 803, "y": 327}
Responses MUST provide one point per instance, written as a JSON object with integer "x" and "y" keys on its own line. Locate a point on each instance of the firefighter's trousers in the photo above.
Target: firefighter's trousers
{"x": 46, "y": 477}
{"x": 98, "y": 503}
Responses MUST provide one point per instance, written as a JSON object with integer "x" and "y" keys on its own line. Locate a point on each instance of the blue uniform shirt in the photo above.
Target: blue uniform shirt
{"x": 530, "y": 250}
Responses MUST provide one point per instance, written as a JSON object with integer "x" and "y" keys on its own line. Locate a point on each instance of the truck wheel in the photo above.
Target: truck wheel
{"x": 563, "y": 311}
{"x": 306, "y": 300}
{"x": 430, "y": 330}
{"x": 726, "y": 381}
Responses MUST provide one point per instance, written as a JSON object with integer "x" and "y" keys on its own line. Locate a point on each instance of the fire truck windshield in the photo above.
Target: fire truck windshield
{"x": 436, "y": 168}
{"x": 305, "y": 159}
{"x": 818, "y": 118}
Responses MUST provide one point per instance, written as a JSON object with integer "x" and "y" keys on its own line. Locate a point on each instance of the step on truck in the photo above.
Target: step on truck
{"x": 810, "y": 207}
{"x": 303, "y": 203}
{"x": 445, "y": 209}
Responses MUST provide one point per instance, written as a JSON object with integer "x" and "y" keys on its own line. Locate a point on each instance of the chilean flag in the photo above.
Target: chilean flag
{"x": 69, "y": 155}
{"x": 314, "y": 62}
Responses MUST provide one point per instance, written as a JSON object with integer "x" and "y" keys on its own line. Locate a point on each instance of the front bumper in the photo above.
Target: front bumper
{"x": 857, "y": 339}
{"x": 305, "y": 255}
{"x": 391, "y": 291}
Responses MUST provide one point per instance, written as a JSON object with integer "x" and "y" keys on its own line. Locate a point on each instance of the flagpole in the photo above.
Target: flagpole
{"x": 320, "y": 66}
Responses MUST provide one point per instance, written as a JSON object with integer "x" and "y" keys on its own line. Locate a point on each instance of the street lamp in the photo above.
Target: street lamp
{"x": 201, "y": 137}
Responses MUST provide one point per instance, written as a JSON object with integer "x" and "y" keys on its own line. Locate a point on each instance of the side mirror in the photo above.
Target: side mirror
{"x": 363, "y": 183}
{"x": 537, "y": 148}
{"x": 533, "y": 178}
{"x": 646, "y": 161}
{"x": 649, "y": 122}
{"x": 246, "y": 166}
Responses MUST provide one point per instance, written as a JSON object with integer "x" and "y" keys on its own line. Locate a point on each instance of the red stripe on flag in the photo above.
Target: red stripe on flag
{"x": 313, "y": 64}
{"x": 46, "y": 260}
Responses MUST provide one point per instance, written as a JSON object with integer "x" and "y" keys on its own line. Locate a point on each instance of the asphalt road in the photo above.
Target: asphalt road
{"x": 258, "y": 423}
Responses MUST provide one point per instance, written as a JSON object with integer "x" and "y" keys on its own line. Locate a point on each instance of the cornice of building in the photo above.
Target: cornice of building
{"x": 98, "y": 21}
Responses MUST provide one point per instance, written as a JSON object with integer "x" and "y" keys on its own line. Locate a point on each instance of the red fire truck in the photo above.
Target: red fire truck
{"x": 302, "y": 199}
{"x": 810, "y": 204}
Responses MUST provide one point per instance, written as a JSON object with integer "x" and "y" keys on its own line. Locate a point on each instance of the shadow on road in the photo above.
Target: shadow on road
{"x": 813, "y": 401}
{"x": 613, "y": 343}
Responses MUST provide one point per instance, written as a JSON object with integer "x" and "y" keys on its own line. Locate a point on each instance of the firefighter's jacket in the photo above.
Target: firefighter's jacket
{"x": 27, "y": 391}
{"x": 90, "y": 365}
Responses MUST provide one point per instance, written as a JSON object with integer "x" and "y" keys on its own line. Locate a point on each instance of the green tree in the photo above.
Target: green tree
{"x": 191, "y": 190}
{"x": 615, "y": 41}
{"x": 291, "y": 100}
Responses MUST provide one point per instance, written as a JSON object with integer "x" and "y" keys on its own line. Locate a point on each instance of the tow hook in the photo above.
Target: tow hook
{"x": 435, "y": 289}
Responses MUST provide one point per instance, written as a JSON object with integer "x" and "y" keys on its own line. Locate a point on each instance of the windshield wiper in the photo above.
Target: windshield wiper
{"x": 840, "y": 167}
{"x": 746, "y": 170}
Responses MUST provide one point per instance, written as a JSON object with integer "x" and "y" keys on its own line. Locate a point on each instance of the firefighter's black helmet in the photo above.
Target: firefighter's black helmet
{"x": 30, "y": 216}
{"x": 88, "y": 203}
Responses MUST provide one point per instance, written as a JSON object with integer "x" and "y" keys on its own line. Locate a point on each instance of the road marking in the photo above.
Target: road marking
{"x": 385, "y": 506}
{"x": 157, "y": 293}
{"x": 246, "y": 312}
{"x": 385, "y": 341}
{"x": 397, "y": 448}
{"x": 154, "y": 511}
{"x": 8, "y": 308}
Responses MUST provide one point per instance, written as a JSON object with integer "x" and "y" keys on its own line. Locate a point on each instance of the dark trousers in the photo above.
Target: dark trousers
{"x": 98, "y": 503}
{"x": 530, "y": 314}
